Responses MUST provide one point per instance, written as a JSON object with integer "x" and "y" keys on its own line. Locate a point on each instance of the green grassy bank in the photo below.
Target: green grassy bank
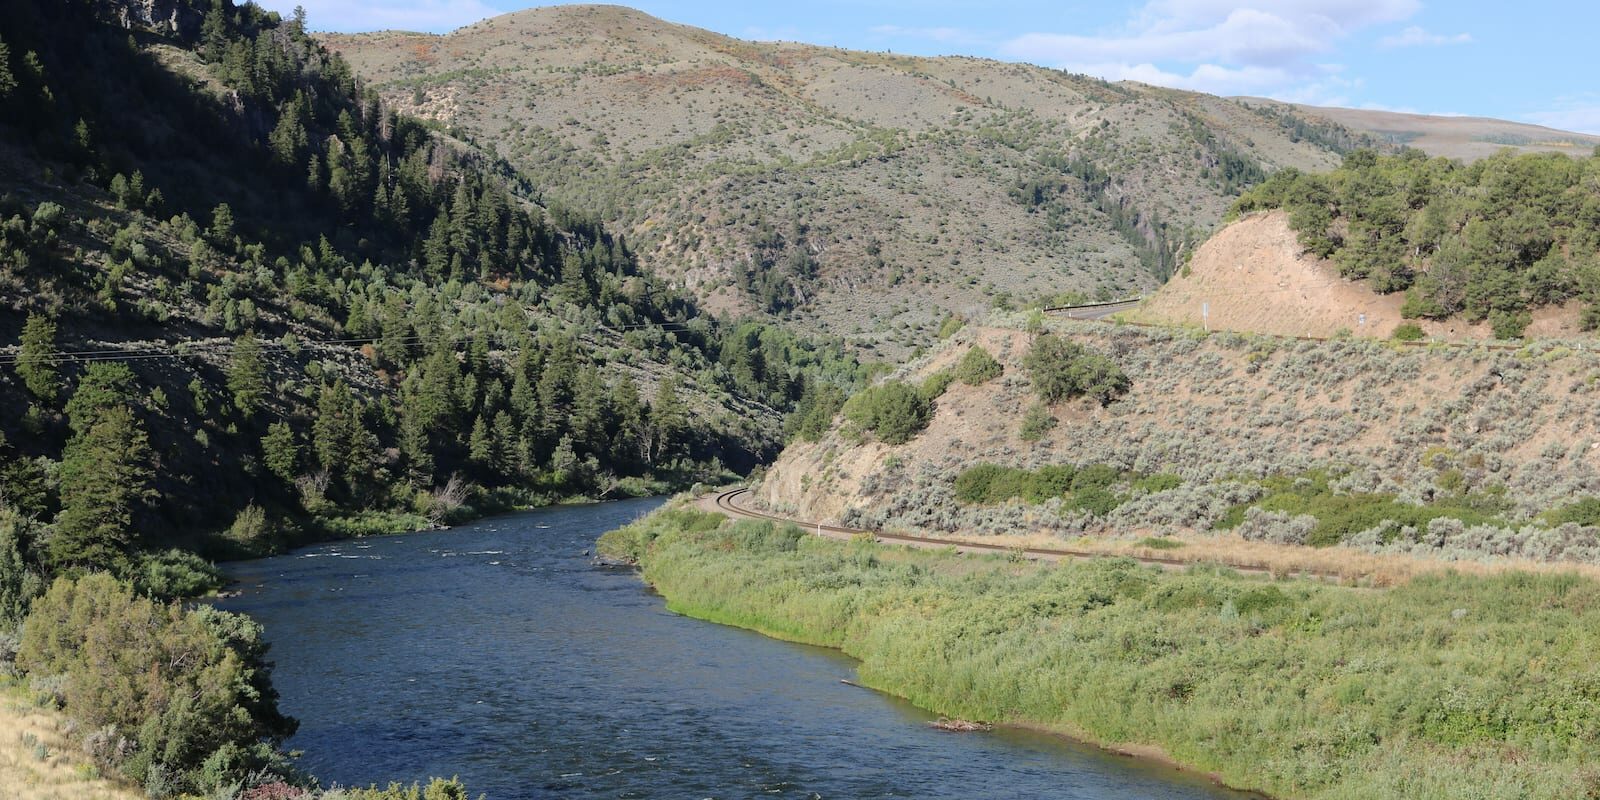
{"x": 1445, "y": 687}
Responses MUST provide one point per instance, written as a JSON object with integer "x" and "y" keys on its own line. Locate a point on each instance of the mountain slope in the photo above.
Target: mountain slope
{"x": 1240, "y": 448}
{"x": 1254, "y": 276}
{"x": 867, "y": 193}
{"x": 242, "y": 285}
{"x": 1467, "y": 138}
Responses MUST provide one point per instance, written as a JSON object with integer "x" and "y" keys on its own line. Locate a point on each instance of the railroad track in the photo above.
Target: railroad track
{"x": 1100, "y": 311}
{"x": 724, "y": 502}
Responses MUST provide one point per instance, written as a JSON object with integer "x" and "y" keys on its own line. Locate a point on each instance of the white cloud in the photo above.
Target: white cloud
{"x": 1245, "y": 36}
{"x": 1269, "y": 47}
{"x": 1580, "y": 114}
{"x": 371, "y": 15}
{"x": 1414, "y": 36}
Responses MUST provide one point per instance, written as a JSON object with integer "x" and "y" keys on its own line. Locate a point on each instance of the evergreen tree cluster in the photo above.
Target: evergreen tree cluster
{"x": 1488, "y": 240}
{"x": 395, "y": 324}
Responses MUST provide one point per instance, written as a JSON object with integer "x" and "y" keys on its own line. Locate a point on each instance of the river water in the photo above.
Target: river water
{"x": 497, "y": 653}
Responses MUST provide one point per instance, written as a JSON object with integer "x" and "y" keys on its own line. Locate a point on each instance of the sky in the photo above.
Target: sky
{"x": 1530, "y": 62}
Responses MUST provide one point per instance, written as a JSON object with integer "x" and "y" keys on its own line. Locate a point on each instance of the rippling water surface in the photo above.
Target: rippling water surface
{"x": 496, "y": 652}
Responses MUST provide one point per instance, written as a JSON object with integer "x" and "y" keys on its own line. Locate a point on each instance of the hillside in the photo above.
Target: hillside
{"x": 255, "y": 304}
{"x": 1504, "y": 240}
{"x": 1254, "y": 276}
{"x": 1441, "y": 453}
{"x": 1466, "y": 138}
{"x": 867, "y": 194}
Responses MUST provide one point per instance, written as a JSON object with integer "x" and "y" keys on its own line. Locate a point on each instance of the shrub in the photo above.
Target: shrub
{"x": 893, "y": 411}
{"x": 1408, "y": 332}
{"x": 1161, "y": 482}
{"x": 1062, "y": 370}
{"x": 950, "y": 326}
{"x": 1036, "y": 422}
{"x": 1095, "y": 500}
{"x": 933, "y": 387}
{"x": 977, "y": 367}
{"x": 18, "y": 583}
{"x": 1585, "y": 511}
{"x": 187, "y": 687}
{"x": 437, "y": 789}
{"x": 988, "y": 483}
{"x": 1509, "y": 324}
{"x": 177, "y": 574}
{"x": 1158, "y": 543}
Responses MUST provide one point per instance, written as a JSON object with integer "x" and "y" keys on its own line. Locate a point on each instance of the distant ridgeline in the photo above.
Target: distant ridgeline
{"x": 1489, "y": 240}
{"x": 248, "y": 294}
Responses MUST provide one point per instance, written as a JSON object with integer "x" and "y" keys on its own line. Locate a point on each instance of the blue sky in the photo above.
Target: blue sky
{"x": 1531, "y": 61}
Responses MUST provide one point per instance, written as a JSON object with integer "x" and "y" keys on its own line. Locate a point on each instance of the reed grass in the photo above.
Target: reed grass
{"x": 1446, "y": 685}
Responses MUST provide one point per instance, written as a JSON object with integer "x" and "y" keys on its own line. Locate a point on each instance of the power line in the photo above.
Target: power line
{"x": 176, "y": 349}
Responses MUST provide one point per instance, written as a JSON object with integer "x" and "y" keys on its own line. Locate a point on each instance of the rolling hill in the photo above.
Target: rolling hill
{"x": 867, "y": 194}
{"x": 1467, "y": 138}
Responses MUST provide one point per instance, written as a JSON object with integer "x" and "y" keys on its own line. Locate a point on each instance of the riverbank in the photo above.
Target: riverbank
{"x": 1447, "y": 686}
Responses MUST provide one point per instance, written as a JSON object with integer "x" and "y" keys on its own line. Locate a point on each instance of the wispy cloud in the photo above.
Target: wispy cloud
{"x": 1220, "y": 46}
{"x": 367, "y": 15}
{"x": 1415, "y": 36}
{"x": 1579, "y": 113}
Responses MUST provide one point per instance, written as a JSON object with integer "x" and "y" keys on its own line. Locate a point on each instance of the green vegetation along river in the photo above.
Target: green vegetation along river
{"x": 1445, "y": 686}
{"x": 498, "y": 653}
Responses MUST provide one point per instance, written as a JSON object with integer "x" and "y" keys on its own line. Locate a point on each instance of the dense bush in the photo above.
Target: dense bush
{"x": 176, "y": 574}
{"x": 1339, "y": 516}
{"x": 1061, "y": 369}
{"x": 1408, "y": 332}
{"x": 19, "y": 583}
{"x": 977, "y": 367}
{"x": 188, "y": 691}
{"x": 1585, "y": 511}
{"x": 893, "y": 411}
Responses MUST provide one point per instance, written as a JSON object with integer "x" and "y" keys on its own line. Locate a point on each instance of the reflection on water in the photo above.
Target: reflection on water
{"x": 496, "y": 652}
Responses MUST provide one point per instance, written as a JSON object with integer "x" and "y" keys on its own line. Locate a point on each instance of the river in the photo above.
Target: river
{"x": 496, "y": 652}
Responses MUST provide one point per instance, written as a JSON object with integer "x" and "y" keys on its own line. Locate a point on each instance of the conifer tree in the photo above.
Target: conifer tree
{"x": 247, "y": 376}
{"x": 35, "y": 362}
{"x": 104, "y": 477}
{"x": 8, "y": 81}
{"x": 668, "y": 419}
{"x": 280, "y": 451}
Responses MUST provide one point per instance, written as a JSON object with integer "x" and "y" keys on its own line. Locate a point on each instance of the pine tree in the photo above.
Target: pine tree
{"x": 103, "y": 386}
{"x": 35, "y": 362}
{"x": 8, "y": 81}
{"x": 330, "y": 431}
{"x": 221, "y": 231}
{"x": 104, "y": 479}
{"x": 414, "y": 444}
{"x": 247, "y": 376}
{"x": 632, "y": 426}
{"x": 214, "y": 33}
{"x": 280, "y": 451}
{"x": 668, "y": 419}
{"x": 480, "y": 448}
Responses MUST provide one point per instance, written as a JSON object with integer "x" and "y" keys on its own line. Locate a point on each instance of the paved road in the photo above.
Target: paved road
{"x": 725, "y": 503}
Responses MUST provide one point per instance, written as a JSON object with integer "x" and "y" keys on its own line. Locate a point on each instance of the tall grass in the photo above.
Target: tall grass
{"x": 1447, "y": 686}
